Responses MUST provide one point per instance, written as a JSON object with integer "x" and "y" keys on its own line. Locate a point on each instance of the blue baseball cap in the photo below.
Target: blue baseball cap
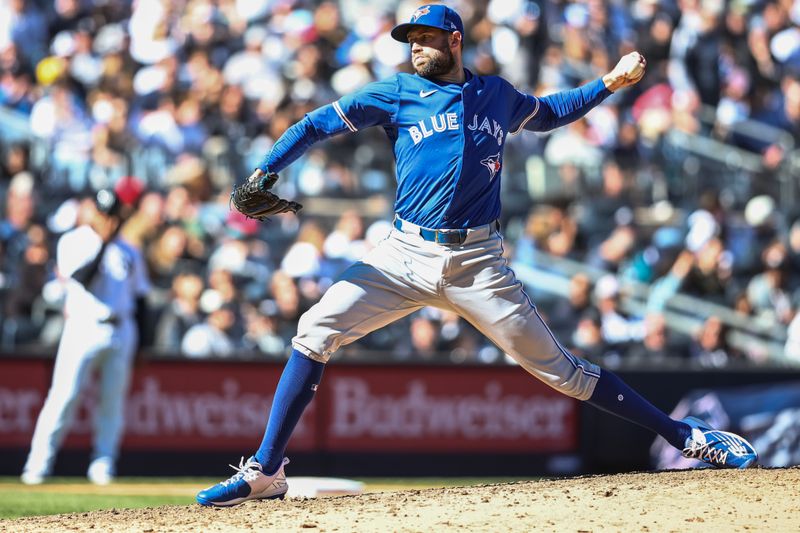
{"x": 433, "y": 16}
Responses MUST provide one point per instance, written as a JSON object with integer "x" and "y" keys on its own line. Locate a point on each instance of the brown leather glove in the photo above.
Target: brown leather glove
{"x": 254, "y": 199}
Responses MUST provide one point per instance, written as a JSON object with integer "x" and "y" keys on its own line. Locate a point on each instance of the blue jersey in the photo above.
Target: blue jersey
{"x": 447, "y": 138}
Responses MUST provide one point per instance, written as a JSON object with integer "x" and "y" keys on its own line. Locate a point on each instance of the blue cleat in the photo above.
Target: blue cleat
{"x": 248, "y": 483}
{"x": 718, "y": 448}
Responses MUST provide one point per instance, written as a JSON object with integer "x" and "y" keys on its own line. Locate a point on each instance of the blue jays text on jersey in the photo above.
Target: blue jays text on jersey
{"x": 447, "y": 138}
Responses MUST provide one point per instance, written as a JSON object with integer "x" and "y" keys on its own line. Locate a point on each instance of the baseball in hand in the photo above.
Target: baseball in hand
{"x": 632, "y": 65}
{"x": 628, "y": 71}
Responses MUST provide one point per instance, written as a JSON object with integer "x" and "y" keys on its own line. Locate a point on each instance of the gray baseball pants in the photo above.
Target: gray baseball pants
{"x": 405, "y": 273}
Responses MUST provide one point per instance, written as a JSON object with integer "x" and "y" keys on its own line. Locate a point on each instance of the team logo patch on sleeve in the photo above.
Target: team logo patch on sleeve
{"x": 493, "y": 164}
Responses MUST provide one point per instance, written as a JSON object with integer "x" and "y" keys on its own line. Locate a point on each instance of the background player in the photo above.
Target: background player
{"x": 105, "y": 282}
{"x": 448, "y": 128}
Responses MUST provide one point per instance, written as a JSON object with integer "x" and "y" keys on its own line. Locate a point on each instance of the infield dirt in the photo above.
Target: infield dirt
{"x": 759, "y": 499}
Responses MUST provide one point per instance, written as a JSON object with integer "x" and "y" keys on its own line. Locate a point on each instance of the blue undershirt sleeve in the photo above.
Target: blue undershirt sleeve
{"x": 373, "y": 105}
{"x": 556, "y": 110}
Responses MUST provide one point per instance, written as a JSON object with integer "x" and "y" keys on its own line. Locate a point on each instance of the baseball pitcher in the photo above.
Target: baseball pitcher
{"x": 447, "y": 128}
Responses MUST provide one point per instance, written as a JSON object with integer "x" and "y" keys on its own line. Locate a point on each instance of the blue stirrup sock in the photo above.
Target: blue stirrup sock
{"x": 295, "y": 390}
{"x": 611, "y": 394}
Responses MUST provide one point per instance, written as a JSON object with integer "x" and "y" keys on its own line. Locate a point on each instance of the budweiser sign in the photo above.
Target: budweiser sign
{"x": 170, "y": 407}
{"x": 19, "y": 408}
{"x": 224, "y": 406}
{"x": 224, "y": 412}
{"x": 422, "y": 411}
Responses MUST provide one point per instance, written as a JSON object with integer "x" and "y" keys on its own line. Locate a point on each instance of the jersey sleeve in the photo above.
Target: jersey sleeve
{"x": 561, "y": 108}
{"x": 374, "y": 105}
{"x": 523, "y": 108}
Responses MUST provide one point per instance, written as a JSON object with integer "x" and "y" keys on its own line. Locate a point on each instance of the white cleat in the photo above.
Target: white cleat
{"x": 32, "y": 478}
{"x": 101, "y": 471}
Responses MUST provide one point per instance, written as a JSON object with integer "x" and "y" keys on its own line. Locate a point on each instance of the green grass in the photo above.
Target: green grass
{"x": 75, "y": 495}
{"x": 16, "y": 505}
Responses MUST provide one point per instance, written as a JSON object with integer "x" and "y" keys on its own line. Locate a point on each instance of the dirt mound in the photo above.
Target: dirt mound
{"x": 689, "y": 500}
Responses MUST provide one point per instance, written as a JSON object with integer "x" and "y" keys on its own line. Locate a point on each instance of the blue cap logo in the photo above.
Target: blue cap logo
{"x": 419, "y": 12}
{"x": 432, "y": 16}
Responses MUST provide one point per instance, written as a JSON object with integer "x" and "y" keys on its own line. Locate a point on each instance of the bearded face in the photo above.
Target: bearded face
{"x": 430, "y": 52}
{"x": 434, "y": 62}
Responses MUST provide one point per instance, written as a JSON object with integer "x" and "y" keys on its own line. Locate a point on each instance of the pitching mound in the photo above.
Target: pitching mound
{"x": 690, "y": 500}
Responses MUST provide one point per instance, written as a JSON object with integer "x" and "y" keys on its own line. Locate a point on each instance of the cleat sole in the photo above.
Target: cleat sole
{"x": 237, "y": 501}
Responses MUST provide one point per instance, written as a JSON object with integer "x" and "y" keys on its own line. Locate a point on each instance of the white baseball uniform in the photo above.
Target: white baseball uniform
{"x": 99, "y": 332}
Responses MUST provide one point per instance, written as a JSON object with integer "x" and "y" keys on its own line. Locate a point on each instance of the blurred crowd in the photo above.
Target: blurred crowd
{"x": 186, "y": 96}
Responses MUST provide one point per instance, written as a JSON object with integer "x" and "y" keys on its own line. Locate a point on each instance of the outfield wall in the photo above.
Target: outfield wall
{"x": 184, "y": 415}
